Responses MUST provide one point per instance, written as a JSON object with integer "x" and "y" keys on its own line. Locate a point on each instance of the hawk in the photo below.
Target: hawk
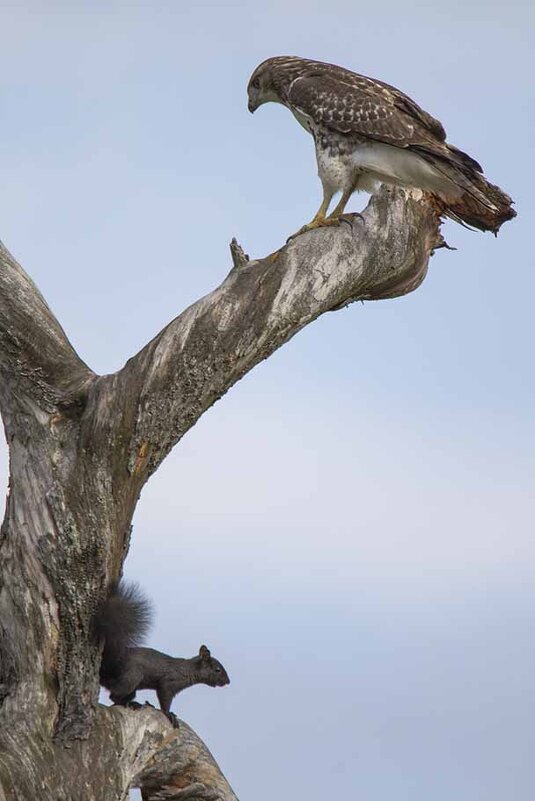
{"x": 366, "y": 132}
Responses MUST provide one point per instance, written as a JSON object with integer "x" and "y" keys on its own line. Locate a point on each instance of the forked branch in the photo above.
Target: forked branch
{"x": 35, "y": 355}
{"x": 81, "y": 447}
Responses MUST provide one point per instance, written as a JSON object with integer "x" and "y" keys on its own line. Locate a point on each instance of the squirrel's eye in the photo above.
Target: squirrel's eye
{"x": 218, "y": 670}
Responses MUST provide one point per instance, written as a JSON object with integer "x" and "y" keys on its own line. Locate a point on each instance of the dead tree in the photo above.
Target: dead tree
{"x": 81, "y": 447}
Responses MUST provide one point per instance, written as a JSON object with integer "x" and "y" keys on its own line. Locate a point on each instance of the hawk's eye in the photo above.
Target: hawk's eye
{"x": 255, "y": 83}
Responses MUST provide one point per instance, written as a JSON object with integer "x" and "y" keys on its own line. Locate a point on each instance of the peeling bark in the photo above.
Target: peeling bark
{"x": 81, "y": 447}
{"x": 124, "y": 749}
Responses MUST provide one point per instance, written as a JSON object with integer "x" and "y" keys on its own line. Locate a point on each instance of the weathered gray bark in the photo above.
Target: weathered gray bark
{"x": 81, "y": 447}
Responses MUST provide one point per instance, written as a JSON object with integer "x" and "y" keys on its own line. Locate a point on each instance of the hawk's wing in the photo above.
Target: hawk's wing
{"x": 353, "y": 104}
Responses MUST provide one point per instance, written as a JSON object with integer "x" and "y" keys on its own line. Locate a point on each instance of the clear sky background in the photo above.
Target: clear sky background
{"x": 350, "y": 529}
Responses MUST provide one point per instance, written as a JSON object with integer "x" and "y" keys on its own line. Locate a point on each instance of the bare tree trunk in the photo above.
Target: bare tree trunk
{"x": 81, "y": 447}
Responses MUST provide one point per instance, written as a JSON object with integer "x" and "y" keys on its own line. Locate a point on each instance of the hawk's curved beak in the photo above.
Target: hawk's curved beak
{"x": 252, "y": 106}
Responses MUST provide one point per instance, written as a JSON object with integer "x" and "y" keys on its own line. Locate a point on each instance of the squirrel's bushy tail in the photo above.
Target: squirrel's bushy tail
{"x": 122, "y": 621}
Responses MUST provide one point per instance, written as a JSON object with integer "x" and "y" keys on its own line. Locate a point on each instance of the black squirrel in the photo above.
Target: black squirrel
{"x": 121, "y": 623}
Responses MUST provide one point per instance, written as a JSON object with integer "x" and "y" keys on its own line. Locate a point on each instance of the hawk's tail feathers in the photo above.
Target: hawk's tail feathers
{"x": 462, "y": 159}
{"x": 479, "y": 203}
{"x": 488, "y": 214}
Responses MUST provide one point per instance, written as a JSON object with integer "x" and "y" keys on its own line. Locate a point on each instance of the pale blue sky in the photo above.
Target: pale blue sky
{"x": 351, "y": 528}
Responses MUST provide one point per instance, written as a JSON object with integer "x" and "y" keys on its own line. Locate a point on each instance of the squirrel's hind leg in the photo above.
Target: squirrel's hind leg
{"x": 123, "y": 688}
{"x": 125, "y": 700}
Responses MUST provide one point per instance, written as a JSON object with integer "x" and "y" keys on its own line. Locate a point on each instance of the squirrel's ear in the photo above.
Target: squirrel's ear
{"x": 204, "y": 653}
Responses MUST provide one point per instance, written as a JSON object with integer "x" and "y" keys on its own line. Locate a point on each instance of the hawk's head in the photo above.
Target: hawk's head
{"x": 271, "y": 79}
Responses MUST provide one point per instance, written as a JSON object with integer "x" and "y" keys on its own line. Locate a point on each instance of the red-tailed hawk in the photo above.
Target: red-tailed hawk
{"x": 367, "y": 132}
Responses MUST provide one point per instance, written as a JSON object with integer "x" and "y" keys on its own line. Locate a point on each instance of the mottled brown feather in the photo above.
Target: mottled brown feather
{"x": 344, "y": 103}
{"x": 352, "y": 103}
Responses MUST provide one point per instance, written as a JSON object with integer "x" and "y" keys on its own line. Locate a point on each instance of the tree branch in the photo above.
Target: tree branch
{"x": 183, "y": 769}
{"x": 81, "y": 447}
{"x": 124, "y": 749}
{"x": 36, "y": 358}
{"x": 261, "y": 304}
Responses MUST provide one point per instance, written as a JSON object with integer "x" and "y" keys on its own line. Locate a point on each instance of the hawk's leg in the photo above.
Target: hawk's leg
{"x": 337, "y": 215}
{"x": 320, "y": 217}
{"x": 338, "y": 210}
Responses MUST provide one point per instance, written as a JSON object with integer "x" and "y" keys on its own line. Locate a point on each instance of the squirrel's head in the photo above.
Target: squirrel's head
{"x": 210, "y": 671}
